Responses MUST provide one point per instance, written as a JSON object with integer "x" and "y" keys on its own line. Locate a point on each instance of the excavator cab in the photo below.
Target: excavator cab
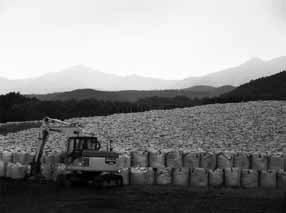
{"x": 76, "y": 145}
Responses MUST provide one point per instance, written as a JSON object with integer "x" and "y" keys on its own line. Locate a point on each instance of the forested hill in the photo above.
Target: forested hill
{"x": 134, "y": 95}
{"x": 16, "y": 107}
{"x": 271, "y": 87}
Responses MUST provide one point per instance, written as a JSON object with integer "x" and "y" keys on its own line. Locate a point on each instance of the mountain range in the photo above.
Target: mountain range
{"x": 82, "y": 77}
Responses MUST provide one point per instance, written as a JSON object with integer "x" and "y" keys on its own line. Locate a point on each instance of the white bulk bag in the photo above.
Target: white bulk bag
{"x": 281, "y": 180}
{"x": 7, "y": 156}
{"x": 224, "y": 160}
{"x": 199, "y": 177}
{"x": 276, "y": 162}
{"x": 241, "y": 160}
{"x": 216, "y": 178}
{"x": 124, "y": 160}
{"x": 139, "y": 158}
{"x": 2, "y": 169}
{"x": 258, "y": 161}
{"x": 181, "y": 176}
{"x": 20, "y": 157}
{"x": 208, "y": 160}
{"x": 191, "y": 160}
{"x": 157, "y": 159}
{"x": 141, "y": 175}
{"x": 174, "y": 159}
{"x": 232, "y": 177}
{"x": 164, "y": 176}
{"x": 268, "y": 179}
{"x": 249, "y": 178}
{"x": 125, "y": 172}
{"x": 16, "y": 171}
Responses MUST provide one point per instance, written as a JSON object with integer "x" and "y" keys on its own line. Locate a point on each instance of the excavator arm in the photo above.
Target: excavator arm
{"x": 51, "y": 125}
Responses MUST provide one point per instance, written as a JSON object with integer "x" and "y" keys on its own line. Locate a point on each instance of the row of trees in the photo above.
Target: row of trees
{"x": 16, "y": 107}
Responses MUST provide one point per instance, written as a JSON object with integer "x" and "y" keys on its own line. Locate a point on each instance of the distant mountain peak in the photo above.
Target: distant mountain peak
{"x": 254, "y": 61}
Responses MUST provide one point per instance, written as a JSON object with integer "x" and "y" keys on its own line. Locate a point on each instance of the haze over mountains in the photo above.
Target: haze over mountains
{"x": 81, "y": 77}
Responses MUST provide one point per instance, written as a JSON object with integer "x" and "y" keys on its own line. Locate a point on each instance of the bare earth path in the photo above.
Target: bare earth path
{"x": 47, "y": 198}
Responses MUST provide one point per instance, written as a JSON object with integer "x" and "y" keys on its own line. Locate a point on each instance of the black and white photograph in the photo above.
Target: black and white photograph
{"x": 119, "y": 106}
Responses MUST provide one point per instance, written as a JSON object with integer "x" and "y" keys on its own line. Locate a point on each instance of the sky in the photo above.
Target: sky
{"x": 170, "y": 39}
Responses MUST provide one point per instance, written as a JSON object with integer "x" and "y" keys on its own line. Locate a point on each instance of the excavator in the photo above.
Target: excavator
{"x": 84, "y": 160}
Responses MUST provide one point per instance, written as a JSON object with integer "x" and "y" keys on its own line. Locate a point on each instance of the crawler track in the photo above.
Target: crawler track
{"x": 48, "y": 198}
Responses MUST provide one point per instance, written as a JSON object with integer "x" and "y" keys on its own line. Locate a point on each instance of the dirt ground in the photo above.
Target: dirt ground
{"x": 48, "y": 198}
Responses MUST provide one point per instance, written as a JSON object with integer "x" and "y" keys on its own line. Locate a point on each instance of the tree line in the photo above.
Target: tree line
{"x": 16, "y": 107}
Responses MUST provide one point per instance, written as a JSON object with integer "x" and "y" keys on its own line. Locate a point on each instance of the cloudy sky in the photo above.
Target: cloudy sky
{"x": 169, "y": 39}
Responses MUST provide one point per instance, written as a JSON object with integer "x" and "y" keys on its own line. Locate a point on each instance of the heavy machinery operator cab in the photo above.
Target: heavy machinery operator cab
{"x": 77, "y": 145}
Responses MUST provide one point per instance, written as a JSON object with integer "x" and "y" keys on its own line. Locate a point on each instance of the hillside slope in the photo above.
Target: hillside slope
{"x": 134, "y": 95}
{"x": 252, "y": 126}
{"x": 270, "y": 87}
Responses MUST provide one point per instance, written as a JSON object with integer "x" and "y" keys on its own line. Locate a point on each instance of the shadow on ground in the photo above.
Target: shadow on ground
{"x": 48, "y": 198}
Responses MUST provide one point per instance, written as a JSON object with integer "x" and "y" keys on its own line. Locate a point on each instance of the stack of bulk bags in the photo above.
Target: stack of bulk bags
{"x": 125, "y": 173}
{"x": 191, "y": 160}
{"x": 174, "y": 159}
{"x": 249, "y": 178}
{"x": 2, "y": 169}
{"x": 199, "y": 177}
{"x": 16, "y": 171}
{"x": 208, "y": 160}
{"x": 139, "y": 159}
{"x": 157, "y": 159}
{"x": 241, "y": 160}
{"x": 259, "y": 161}
{"x": 7, "y": 157}
{"x": 268, "y": 179}
{"x": 141, "y": 175}
{"x": 232, "y": 177}
{"x": 164, "y": 176}
{"x": 216, "y": 178}
{"x": 124, "y": 160}
{"x": 281, "y": 180}
{"x": 276, "y": 162}
{"x": 224, "y": 160}
{"x": 181, "y": 176}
